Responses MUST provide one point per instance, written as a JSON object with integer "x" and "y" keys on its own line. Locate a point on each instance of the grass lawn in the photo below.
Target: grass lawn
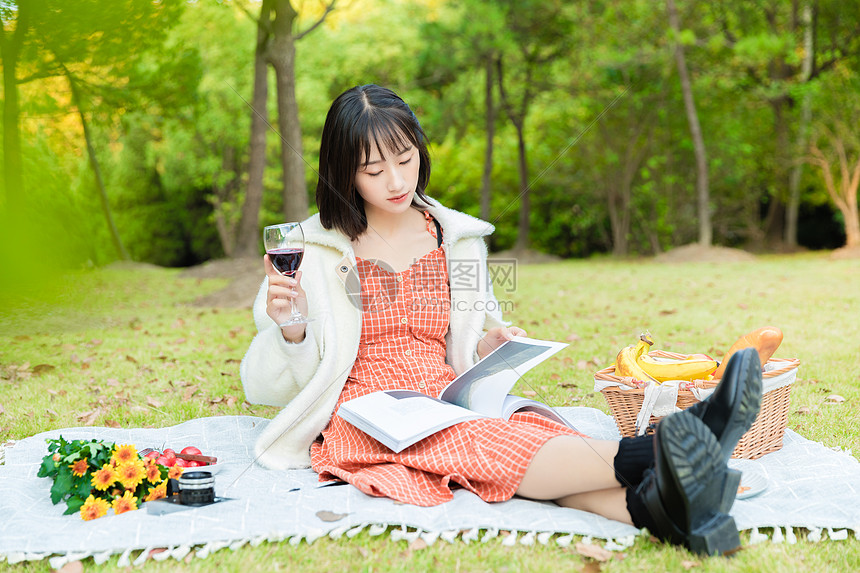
{"x": 124, "y": 347}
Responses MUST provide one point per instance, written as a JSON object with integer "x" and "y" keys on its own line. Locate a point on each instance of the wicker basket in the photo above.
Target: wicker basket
{"x": 765, "y": 435}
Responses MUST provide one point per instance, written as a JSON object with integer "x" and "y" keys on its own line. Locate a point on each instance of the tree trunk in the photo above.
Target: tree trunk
{"x": 802, "y": 131}
{"x": 702, "y": 191}
{"x": 248, "y": 236}
{"x": 10, "y": 50}
{"x": 282, "y": 56}
{"x": 490, "y": 123}
{"x": 525, "y": 207}
{"x": 94, "y": 163}
{"x": 518, "y": 119}
{"x": 844, "y": 193}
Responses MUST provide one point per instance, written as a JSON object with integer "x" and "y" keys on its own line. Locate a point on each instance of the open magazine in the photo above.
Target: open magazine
{"x": 399, "y": 418}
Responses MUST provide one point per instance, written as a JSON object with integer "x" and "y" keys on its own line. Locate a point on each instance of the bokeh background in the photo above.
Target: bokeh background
{"x": 170, "y": 131}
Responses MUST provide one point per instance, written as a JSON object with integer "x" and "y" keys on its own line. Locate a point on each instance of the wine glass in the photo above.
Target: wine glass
{"x": 285, "y": 245}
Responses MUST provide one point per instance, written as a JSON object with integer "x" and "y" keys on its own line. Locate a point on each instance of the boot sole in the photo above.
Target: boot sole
{"x": 691, "y": 455}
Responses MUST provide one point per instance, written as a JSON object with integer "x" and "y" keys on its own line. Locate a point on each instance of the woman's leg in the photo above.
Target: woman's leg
{"x": 569, "y": 465}
{"x": 578, "y": 473}
{"x": 610, "y": 503}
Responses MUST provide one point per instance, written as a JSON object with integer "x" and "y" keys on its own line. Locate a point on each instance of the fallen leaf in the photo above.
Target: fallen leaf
{"x": 572, "y": 337}
{"x": 71, "y": 567}
{"x": 131, "y": 358}
{"x": 590, "y": 567}
{"x": 568, "y": 384}
{"x": 803, "y": 411}
{"x": 529, "y": 393}
{"x": 153, "y": 402}
{"x": 595, "y": 552}
{"x": 689, "y": 564}
{"x": 364, "y": 552}
{"x": 40, "y": 369}
{"x": 582, "y": 365}
{"x": 668, "y": 311}
{"x": 112, "y": 424}
{"x": 330, "y": 515}
{"x": 743, "y": 306}
{"x": 89, "y": 418}
{"x": 835, "y": 399}
{"x": 52, "y": 413}
{"x": 555, "y": 376}
{"x": 189, "y": 392}
{"x": 418, "y": 545}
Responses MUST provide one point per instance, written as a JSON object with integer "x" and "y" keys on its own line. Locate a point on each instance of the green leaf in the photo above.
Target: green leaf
{"x": 62, "y": 484}
{"x": 48, "y": 467}
{"x": 73, "y": 505}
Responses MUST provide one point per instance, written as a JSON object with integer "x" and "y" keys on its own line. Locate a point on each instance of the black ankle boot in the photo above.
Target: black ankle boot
{"x": 679, "y": 499}
{"x": 732, "y": 408}
{"x": 635, "y": 455}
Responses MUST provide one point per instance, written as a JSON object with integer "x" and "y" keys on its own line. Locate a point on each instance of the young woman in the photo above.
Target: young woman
{"x": 376, "y": 280}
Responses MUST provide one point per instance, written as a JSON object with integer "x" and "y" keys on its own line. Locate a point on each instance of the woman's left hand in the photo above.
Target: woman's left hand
{"x": 497, "y": 336}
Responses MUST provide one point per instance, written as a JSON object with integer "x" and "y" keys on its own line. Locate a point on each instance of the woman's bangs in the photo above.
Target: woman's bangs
{"x": 388, "y": 133}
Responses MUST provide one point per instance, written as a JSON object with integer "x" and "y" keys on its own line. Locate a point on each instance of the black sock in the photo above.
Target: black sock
{"x": 635, "y": 455}
{"x": 638, "y": 512}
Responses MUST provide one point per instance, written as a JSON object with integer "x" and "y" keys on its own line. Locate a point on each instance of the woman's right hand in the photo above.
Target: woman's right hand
{"x": 281, "y": 290}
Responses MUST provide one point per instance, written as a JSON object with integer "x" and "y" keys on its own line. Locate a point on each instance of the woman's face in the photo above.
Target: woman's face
{"x": 387, "y": 182}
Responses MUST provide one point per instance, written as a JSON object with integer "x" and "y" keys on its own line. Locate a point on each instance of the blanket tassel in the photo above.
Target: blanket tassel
{"x": 511, "y": 539}
{"x": 430, "y": 537}
{"x": 565, "y": 540}
{"x": 491, "y": 533}
{"x": 543, "y": 538}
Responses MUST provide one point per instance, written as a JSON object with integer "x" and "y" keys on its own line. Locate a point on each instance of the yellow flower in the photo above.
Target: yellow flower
{"x": 94, "y": 508}
{"x": 79, "y": 468}
{"x": 104, "y": 478}
{"x": 131, "y": 474}
{"x": 157, "y": 492}
{"x": 153, "y": 471}
{"x": 174, "y": 472}
{"x": 124, "y": 454}
{"x": 125, "y": 503}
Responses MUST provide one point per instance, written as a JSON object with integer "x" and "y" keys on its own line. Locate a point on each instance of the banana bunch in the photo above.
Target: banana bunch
{"x": 635, "y": 362}
{"x": 627, "y": 362}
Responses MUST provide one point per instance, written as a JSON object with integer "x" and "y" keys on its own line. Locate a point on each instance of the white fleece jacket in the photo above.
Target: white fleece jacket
{"x": 307, "y": 378}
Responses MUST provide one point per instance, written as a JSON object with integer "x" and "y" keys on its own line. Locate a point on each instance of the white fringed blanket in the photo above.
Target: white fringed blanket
{"x": 808, "y": 485}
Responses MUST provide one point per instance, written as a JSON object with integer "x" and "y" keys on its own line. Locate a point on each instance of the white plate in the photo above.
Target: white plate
{"x": 755, "y": 481}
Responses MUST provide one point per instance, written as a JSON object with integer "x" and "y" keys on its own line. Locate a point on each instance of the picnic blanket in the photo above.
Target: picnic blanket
{"x": 807, "y": 486}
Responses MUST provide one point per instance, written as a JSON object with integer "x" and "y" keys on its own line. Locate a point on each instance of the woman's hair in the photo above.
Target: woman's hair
{"x": 359, "y": 119}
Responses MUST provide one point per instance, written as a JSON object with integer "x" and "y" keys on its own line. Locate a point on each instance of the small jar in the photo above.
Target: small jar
{"x": 196, "y": 488}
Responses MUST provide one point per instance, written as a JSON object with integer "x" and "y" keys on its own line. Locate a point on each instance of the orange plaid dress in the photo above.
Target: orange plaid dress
{"x": 402, "y": 345}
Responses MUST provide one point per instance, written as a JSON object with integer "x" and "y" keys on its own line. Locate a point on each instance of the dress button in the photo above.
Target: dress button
{"x": 421, "y": 385}
{"x": 404, "y": 320}
{"x": 408, "y": 353}
{"x": 399, "y": 279}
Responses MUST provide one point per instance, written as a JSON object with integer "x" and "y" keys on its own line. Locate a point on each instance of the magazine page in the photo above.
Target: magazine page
{"x": 399, "y": 418}
{"x": 519, "y": 404}
{"x": 484, "y": 386}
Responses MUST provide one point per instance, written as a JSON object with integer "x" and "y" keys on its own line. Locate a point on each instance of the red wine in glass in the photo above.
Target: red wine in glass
{"x": 285, "y": 245}
{"x": 286, "y": 260}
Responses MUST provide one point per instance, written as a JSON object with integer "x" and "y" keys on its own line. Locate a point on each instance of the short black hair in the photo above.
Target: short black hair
{"x": 361, "y": 117}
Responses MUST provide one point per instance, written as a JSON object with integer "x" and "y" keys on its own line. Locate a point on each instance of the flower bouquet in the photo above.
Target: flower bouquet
{"x": 95, "y": 476}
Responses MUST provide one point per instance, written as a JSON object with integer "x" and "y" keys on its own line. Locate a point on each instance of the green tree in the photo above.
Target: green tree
{"x": 95, "y": 46}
